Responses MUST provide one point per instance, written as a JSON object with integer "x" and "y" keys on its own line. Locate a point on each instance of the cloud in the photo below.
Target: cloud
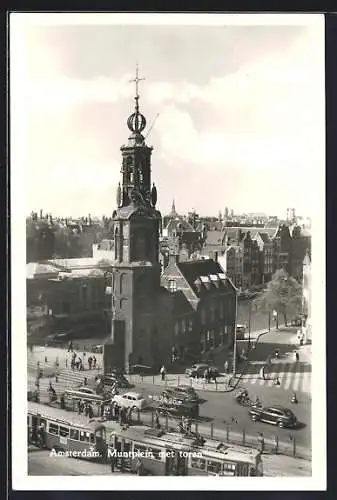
{"x": 261, "y": 115}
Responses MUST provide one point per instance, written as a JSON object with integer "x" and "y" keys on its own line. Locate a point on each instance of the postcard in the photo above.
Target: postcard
{"x": 168, "y": 251}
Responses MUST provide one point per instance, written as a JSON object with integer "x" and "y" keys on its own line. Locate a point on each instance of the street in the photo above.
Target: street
{"x": 219, "y": 407}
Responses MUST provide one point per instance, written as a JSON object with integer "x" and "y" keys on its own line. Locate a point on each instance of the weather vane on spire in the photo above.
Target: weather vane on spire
{"x": 136, "y": 80}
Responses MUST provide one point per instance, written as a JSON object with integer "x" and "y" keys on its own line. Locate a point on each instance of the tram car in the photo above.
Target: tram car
{"x": 162, "y": 452}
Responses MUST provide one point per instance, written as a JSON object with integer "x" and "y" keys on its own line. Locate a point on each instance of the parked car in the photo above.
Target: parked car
{"x": 197, "y": 370}
{"x": 57, "y": 339}
{"x": 185, "y": 392}
{"x": 142, "y": 369}
{"x": 114, "y": 378}
{"x": 131, "y": 400}
{"x": 85, "y": 393}
{"x": 298, "y": 320}
{"x": 276, "y": 415}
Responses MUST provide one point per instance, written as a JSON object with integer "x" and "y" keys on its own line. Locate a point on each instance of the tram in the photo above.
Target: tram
{"x": 163, "y": 453}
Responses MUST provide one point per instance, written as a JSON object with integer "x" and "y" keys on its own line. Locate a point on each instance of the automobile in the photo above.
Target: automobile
{"x": 114, "y": 378}
{"x": 57, "y": 339}
{"x": 240, "y": 332}
{"x": 142, "y": 369}
{"x": 185, "y": 392}
{"x": 276, "y": 415}
{"x": 297, "y": 321}
{"x": 197, "y": 370}
{"x": 85, "y": 393}
{"x": 179, "y": 409}
{"x": 131, "y": 400}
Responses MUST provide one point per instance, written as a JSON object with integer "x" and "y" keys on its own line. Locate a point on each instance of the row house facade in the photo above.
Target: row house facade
{"x": 208, "y": 320}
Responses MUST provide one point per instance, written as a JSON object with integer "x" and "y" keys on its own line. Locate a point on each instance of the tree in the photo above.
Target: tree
{"x": 283, "y": 295}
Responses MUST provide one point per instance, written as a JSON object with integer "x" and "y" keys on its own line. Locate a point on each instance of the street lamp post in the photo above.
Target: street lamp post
{"x": 249, "y": 322}
{"x": 235, "y": 346}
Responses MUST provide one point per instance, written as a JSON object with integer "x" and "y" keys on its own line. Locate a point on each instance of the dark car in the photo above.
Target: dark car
{"x": 276, "y": 415}
{"x": 142, "y": 369}
{"x": 197, "y": 370}
{"x": 57, "y": 339}
{"x": 178, "y": 409}
{"x": 184, "y": 392}
{"x": 115, "y": 378}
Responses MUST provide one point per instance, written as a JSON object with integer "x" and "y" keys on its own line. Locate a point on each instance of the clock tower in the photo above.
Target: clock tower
{"x": 136, "y": 267}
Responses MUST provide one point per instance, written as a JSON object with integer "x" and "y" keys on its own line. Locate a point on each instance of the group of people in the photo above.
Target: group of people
{"x": 209, "y": 375}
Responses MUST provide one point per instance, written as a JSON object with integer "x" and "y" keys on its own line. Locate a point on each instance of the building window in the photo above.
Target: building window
{"x": 190, "y": 325}
{"x": 172, "y": 285}
{"x": 183, "y": 326}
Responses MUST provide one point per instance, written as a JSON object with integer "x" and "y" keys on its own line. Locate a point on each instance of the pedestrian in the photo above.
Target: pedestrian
{"x": 89, "y": 362}
{"x": 156, "y": 417}
{"x": 262, "y": 373}
{"x": 261, "y": 442}
{"x": 102, "y": 409}
{"x": 206, "y": 376}
{"x": 112, "y": 462}
{"x": 85, "y": 381}
{"x": 45, "y": 359}
{"x": 129, "y": 415}
{"x": 94, "y": 361}
{"x": 66, "y": 362}
{"x": 56, "y": 378}
{"x": 226, "y": 367}
{"x": 297, "y": 356}
{"x": 139, "y": 467}
{"x": 163, "y": 372}
{"x": 277, "y": 381}
{"x": 62, "y": 402}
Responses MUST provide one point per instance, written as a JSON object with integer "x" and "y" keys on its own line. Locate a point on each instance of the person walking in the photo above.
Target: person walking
{"x": 163, "y": 373}
{"x": 226, "y": 367}
{"x": 260, "y": 440}
{"x": 94, "y": 361}
{"x": 156, "y": 418}
{"x": 263, "y": 373}
{"x": 139, "y": 467}
{"x": 206, "y": 375}
{"x": 113, "y": 463}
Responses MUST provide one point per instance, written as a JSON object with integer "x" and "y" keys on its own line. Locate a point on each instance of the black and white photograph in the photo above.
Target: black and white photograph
{"x": 168, "y": 251}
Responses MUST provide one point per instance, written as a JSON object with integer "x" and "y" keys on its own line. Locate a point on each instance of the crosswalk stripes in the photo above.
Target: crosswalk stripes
{"x": 291, "y": 376}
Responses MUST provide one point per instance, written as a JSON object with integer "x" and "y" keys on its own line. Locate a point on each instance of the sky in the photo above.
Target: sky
{"x": 240, "y": 112}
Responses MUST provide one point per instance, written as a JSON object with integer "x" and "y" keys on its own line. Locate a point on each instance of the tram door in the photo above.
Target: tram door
{"x": 100, "y": 439}
{"x": 176, "y": 465}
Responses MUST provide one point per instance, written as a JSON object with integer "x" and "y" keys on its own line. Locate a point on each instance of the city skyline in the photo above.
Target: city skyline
{"x": 232, "y": 124}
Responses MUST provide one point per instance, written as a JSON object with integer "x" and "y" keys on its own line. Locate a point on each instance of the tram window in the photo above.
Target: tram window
{"x": 140, "y": 449}
{"x": 84, "y": 436}
{"x": 214, "y": 467}
{"x": 228, "y": 466}
{"x": 64, "y": 431}
{"x": 92, "y": 437}
{"x": 156, "y": 453}
{"x": 53, "y": 429}
{"x": 198, "y": 463}
{"x": 74, "y": 434}
{"x": 43, "y": 422}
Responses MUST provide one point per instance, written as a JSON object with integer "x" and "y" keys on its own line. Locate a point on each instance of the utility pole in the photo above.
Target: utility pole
{"x": 249, "y": 321}
{"x": 235, "y": 340}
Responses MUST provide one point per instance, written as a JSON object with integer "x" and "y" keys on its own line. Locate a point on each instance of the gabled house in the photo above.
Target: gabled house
{"x": 212, "y": 298}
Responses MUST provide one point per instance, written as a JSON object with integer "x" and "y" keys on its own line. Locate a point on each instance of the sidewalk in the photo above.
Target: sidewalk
{"x": 281, "y": 465}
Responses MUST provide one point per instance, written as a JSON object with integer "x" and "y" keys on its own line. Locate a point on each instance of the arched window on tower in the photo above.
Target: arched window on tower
{"x": 116, "y": 243}
{"x": 128, "y": 169}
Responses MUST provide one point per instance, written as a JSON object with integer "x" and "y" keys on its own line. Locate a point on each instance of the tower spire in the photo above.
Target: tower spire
{"x": 136, "y": 80}
{"x": 136, "y": 122}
